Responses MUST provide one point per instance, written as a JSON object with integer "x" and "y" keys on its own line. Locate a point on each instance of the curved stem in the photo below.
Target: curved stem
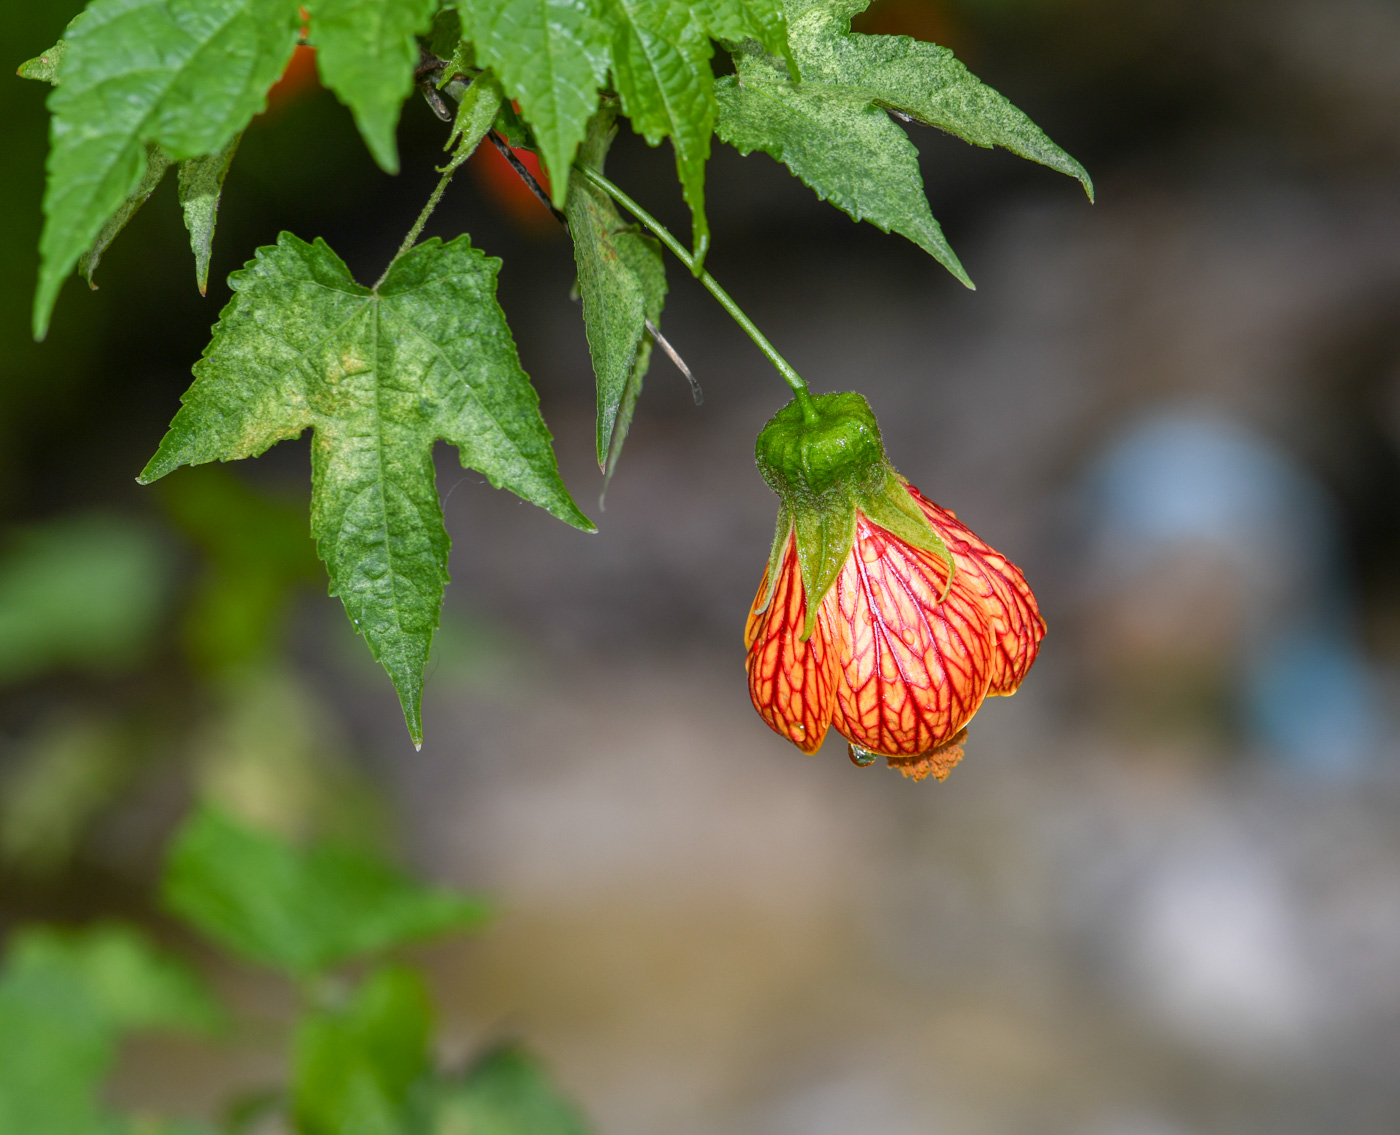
{"x": 417, "y": 230}
{"x": 793, "y": 379}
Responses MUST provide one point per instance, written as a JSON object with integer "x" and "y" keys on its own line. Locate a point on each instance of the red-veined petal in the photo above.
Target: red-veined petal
{"x": 791, "y": 682}
{"x": 912, "y": 668}
{"x": 1013, "y": 614}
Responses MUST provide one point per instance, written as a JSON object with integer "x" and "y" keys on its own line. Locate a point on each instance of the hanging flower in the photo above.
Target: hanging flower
{"x": 879, "y": 613}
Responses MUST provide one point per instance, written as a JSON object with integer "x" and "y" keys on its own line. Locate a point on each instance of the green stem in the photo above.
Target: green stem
{"x": 793, "y": 379}
{"x": 417, "y": 230}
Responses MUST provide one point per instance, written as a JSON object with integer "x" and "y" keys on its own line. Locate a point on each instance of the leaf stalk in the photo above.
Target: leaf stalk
{"x": 417, "y": 230}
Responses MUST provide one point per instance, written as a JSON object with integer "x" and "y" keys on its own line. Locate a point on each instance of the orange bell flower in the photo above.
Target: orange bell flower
{"x": 880, "y": 613}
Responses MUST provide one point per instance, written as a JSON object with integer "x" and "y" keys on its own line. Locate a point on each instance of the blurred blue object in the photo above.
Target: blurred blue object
{"x": 1310, "y": 698}
{"x": 1183, "y": 488}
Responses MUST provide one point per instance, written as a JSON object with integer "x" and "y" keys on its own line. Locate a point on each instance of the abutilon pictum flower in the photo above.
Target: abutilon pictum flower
{"x": 879, "y": 612}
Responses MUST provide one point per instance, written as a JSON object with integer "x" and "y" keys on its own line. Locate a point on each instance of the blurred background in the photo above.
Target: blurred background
{"x": 1161, "y": 895}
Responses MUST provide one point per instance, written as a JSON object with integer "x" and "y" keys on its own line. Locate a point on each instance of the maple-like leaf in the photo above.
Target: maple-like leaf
{"x": 832, "y": 128}
{"x": 380, "y": 374}
{"x": 845, "y": 148}
{"x": 921, "y": 80}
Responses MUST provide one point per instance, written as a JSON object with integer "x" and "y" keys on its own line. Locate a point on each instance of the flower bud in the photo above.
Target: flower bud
{"x": 880, "y": 613}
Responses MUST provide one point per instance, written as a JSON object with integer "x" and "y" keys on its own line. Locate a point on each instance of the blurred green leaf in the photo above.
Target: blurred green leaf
{"x": 137, "y": 73}
{"x": 127, "y": 982}
{"x": 54, "y": 1051}
{"x": 356, "y": 1065}
{"x": 380, "y": 374}
{"x": 65, "y": 999}
{"x": 257, "y": 549}
{"x": 366, "y": 52}
{"x": 67, "y": 772}
{"x": 622, "y": 282}
{"x": 272, "y": 755}
{"x": 506, "y": 1093}
{"x": 444, "y": 37}
{"x": 300, "y": 911}
{"x": 84, "y": 591}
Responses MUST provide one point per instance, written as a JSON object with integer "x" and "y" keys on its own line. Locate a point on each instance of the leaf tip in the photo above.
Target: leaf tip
{"x": 155, "y": 469}
{"x": 44, "y": 299}
{"x": 700, "y": 251}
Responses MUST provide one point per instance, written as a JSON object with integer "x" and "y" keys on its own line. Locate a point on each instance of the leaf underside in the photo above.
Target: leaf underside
{"x": 183, "y": 75}
{"x": 366, "y": 52}
{"x": 622, "y": 283}
{"x": 833, "y": 131}
{"x": 201, "y": 185}
{"x": 379, "y": 375}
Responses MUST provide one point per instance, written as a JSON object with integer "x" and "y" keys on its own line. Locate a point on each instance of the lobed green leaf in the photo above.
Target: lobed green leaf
{"x": 921, "y": 80}
{"x": 840, "y": 145}
{"x": 832, "y": 130}
{"x": 380, "y": 374}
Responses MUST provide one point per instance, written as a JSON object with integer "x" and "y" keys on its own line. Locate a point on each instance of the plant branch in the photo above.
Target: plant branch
{"x": 526, "y": 176}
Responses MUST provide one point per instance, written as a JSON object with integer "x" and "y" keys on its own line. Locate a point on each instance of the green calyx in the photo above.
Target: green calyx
{"x": 826, "y": 461}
